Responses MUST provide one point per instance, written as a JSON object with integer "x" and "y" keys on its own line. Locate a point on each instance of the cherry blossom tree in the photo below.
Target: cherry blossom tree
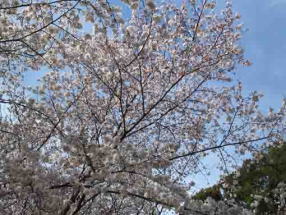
{"x": 126, "y": 109}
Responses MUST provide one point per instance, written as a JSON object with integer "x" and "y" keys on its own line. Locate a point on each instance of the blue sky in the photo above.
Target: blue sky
{"x": 265, "y": 45}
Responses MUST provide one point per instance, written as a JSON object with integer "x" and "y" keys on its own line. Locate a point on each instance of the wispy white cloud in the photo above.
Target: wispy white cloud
{"x": 274, "y": 3}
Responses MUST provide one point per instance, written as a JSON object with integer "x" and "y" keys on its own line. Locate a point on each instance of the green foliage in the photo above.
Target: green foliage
{"x": 254, "y": 182}
{"x": 213, "y": 192}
